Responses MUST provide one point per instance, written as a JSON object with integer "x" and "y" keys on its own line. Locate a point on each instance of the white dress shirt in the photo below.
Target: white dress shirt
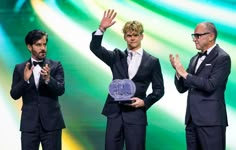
{"x": 36, "y": 72}
{"x": 134, "y": 60}
{"x": 202, "y": 58}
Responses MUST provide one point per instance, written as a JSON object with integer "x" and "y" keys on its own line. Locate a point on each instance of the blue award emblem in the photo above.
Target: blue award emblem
{"x": 122, "y": 90}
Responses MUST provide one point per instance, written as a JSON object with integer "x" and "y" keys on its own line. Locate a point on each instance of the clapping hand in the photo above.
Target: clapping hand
{"x": 176, "y": 64}
{"x": 28, "y": 71}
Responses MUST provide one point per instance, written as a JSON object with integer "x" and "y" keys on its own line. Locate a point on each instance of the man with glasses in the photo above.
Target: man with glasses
{"x": 205, "y": 80}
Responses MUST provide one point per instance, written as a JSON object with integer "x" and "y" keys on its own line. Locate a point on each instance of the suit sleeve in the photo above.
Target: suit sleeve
{"x": 180, "y": 85}
{"x": 218, "y": 76}
{"x": 56, "y": 86}
{"x": 19, "y": 85}
{"x": 157, "y": 86}
{"x": 101, "y": 52}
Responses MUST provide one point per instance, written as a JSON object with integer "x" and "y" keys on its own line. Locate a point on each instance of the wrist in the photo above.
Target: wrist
{"x": 185, "y": 75}
{"x": 47, "y": 80}
{"x": 101, "y": 28}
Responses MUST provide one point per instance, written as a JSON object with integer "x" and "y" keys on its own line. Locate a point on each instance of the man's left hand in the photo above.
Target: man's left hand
{"x": 137, "y": 102}
{"x": 45, "y": 72}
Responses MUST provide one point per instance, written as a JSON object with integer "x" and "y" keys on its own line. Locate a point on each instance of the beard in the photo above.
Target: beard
{"x": 40, "y": 55}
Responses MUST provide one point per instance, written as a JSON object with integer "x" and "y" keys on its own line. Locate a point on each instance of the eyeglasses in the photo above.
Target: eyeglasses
{"x": 197, "y": 35}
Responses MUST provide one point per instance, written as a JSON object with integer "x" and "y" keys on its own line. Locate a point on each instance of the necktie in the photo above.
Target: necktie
{"x": 200, "y": 54}
{"x": 132, "y": 65}
{"x": 40, "y": 63}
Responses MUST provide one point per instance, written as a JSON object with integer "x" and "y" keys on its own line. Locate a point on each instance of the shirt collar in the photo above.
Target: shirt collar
{"x": 210, "y": 49}
{"x": 32, "y": 59}
{"x": 139, "y": 51}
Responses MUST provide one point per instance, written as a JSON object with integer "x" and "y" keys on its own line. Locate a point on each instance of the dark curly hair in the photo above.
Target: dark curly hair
{"x": 34, "y": 36}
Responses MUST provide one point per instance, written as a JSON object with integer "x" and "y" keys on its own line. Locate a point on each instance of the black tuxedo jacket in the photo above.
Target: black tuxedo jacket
{"x": 39, "y": 105}
{"x": 206, "y": 102}
{"x": 148, "y": 72}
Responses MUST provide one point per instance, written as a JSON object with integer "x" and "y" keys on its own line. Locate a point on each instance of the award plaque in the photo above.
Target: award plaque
{"x": 122, "y": 89}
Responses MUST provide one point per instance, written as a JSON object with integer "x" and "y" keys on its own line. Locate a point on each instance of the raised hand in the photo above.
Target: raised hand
{"x": 107, "y": 20}
{"x": 28, "y": 71}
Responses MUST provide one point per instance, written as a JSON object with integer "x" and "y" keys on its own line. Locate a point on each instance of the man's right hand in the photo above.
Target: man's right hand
{"x": 28, "y": 71}
{"x": 176, "y": 64}
{"x": 107, "y": 20}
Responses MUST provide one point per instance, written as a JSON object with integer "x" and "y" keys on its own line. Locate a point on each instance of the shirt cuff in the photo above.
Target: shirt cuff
{"x": 47, "y": 81}
{"x": 177, "y": 76}
{"x": 98, "y": 32}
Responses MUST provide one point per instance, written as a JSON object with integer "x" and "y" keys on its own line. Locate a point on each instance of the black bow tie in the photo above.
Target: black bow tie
{"x": 200, "y": 54}
{"x": 40, "y": 63}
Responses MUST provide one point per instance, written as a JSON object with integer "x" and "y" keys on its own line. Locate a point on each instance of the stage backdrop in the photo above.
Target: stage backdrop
{"x": 168, "y": 25}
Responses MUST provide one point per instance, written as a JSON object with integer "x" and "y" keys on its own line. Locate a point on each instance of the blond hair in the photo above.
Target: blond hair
{"x": 133, "y": 26}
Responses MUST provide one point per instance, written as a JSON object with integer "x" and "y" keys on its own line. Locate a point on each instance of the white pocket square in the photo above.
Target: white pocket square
{"x": 207, "y": 64}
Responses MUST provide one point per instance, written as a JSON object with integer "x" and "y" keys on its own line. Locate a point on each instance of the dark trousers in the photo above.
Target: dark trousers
{"x": 50, "y": 140}
{"x": 118, "y": 132}
{"x": 205, "y": 138}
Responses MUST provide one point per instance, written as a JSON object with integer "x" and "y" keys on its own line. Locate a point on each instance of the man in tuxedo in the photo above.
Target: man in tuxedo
{"x": 205, "y": 80}
{"x": 39, "y": 81}
{"x": 126, "y": 123}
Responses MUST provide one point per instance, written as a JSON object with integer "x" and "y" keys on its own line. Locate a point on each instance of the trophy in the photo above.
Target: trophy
{"x": 122, "y": 89}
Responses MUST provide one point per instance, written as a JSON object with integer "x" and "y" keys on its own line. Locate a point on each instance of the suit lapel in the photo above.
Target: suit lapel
{"x": 193, "y": 64}
{"x": 124, "y": 65}
{"x": 142, "y": 64}
{"x": 40, "y": 78}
